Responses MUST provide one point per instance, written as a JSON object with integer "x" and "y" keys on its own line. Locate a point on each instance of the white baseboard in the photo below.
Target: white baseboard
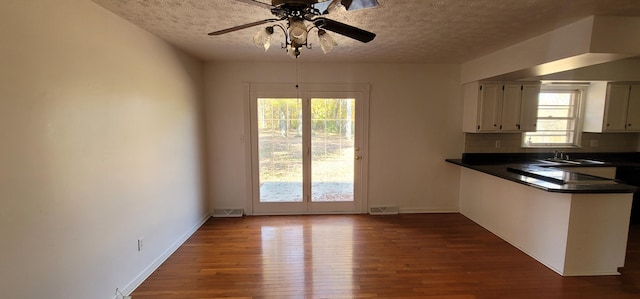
{"x": 427, "y": 211}
{"x": 137, "y": 281}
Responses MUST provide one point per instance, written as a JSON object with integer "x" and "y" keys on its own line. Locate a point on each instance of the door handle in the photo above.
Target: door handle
{"x": 358, "y": 157}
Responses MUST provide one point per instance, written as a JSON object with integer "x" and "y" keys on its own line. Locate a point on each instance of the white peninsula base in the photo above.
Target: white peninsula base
{"x": 573, "y": 234}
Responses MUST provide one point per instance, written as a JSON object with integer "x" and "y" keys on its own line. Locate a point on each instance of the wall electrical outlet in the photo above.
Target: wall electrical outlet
{"x": 140, "y": 243}
{"x": 497, "y": 143}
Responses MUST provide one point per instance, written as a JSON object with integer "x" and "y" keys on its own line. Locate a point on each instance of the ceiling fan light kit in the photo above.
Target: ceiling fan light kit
{"x": 297, "y": 32}
{"x": 326, "y": 41}
{"x": 295, "y": 38}
{"x": 295, "y": 13}
{"x": 262, "y": 39}
{"x": 293, "y": 52}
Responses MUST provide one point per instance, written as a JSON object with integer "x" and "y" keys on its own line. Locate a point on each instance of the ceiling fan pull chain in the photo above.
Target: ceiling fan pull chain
{"x": 297, "y": 79}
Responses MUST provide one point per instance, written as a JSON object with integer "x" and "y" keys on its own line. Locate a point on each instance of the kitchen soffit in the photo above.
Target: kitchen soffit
{"x": 408, "y": 31}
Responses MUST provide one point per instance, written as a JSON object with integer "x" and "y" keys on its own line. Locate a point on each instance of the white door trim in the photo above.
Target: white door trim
{"x": 251, "y": 90}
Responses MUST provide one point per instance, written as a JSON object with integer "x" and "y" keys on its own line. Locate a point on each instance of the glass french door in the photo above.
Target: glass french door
{"x": 306, "y": 153}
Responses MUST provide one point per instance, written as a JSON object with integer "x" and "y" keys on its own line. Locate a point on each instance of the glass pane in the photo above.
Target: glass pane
{"x": 555, "y": 98}
{"x": 280, "y": 150}
{"x": 545, "y": 111}
{"x": 332, "y": 149}
{"x": 549, "y": 138}
{"x": 555, "y": 124}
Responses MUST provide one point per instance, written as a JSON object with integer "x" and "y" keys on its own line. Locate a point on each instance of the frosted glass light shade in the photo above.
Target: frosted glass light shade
{"x": 262, "y": 39}
{"x": 293, "y": 52}
{"x": 298, "y": 32}
{"x": 326, "y": 41}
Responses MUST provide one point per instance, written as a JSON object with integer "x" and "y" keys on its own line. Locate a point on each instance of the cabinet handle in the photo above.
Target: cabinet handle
{"x": 478, "y": 127}
{"x": 607, "y": 125}
{"x": 500, "y": 127}
{"x": 518, "y": 126}
{"x": 629, "y": 125}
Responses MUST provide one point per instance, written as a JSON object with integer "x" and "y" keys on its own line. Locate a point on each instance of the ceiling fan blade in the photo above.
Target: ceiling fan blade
{"x": 257, "y": 3}
{"x": 344, "y": 29}
{"x": 236, "y": 28}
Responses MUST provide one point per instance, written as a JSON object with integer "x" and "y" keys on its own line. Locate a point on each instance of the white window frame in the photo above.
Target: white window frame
{"x": 580, "y": 91}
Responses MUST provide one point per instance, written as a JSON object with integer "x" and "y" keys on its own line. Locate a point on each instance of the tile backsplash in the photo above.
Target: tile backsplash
{"x": 511, "y": 143}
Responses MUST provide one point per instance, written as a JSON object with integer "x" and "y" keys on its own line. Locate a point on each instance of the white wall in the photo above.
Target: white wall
{"x": 620, "y": 70}
{"x": 415, "y": 123}
{"x": 100, "y": 127}
{"x": 592, "y": 40}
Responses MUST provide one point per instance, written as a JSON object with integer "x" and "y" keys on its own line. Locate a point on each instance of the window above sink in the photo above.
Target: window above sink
{"x": 559, "y": 117}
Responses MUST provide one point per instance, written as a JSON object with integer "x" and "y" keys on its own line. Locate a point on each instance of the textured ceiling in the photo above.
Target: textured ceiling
{"x": 427, "y": 31}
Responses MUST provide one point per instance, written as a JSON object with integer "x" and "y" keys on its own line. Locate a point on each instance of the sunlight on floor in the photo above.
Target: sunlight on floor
{"x": 290, "y": 254}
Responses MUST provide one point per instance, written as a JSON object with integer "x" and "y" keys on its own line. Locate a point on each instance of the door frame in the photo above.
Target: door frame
{"x": 254, "y": 90}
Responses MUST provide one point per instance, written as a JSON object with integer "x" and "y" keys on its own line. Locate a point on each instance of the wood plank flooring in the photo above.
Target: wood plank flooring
{"x": 361, "y": 256}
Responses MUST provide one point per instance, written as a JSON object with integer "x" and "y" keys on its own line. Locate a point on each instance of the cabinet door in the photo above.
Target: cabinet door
{"x": 511, "y": 102}
{"x": 529, "y": 112}
{"x": 616, "y": 108}
{"x": 633, "y": 112}
{"x": 490, "y": 107}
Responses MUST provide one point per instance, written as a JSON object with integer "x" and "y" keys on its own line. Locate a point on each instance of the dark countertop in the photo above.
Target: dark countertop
{"x": 512, "y": 167}
{"x": 626, "y": 159}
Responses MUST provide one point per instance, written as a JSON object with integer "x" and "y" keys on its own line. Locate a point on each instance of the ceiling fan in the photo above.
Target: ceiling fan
{"x": 295, "y": 13}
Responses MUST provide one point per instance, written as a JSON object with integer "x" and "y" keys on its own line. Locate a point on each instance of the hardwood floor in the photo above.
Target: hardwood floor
{"x": 360, "y": 256}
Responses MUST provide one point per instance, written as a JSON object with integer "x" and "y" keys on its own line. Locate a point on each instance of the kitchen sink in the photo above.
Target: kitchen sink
{"x": 590, "y": 182}
{"x": 558, "y": 176}
{"x": 565, "y": 162}
{"x": 588, "y": 161}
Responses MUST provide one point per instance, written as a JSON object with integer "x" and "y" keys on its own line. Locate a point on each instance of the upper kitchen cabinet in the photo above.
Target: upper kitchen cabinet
{"x": 612, "y": 107}
{"x": 482, "y": 107}
{"x": 529, "y": 109}
{"x": 500, "y": 107}
{"x": 633, "y": 112}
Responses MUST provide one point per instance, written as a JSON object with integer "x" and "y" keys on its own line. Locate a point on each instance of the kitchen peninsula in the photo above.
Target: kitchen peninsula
{"x": 577, "y": 226}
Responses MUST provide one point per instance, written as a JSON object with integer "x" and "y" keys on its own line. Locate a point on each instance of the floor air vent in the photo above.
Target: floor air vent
{"x": 383, "y": 211}
{"x": 228, "y": 212}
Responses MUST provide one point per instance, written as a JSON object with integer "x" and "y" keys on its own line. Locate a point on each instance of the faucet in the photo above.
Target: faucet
{"x": 559, "y": 155}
